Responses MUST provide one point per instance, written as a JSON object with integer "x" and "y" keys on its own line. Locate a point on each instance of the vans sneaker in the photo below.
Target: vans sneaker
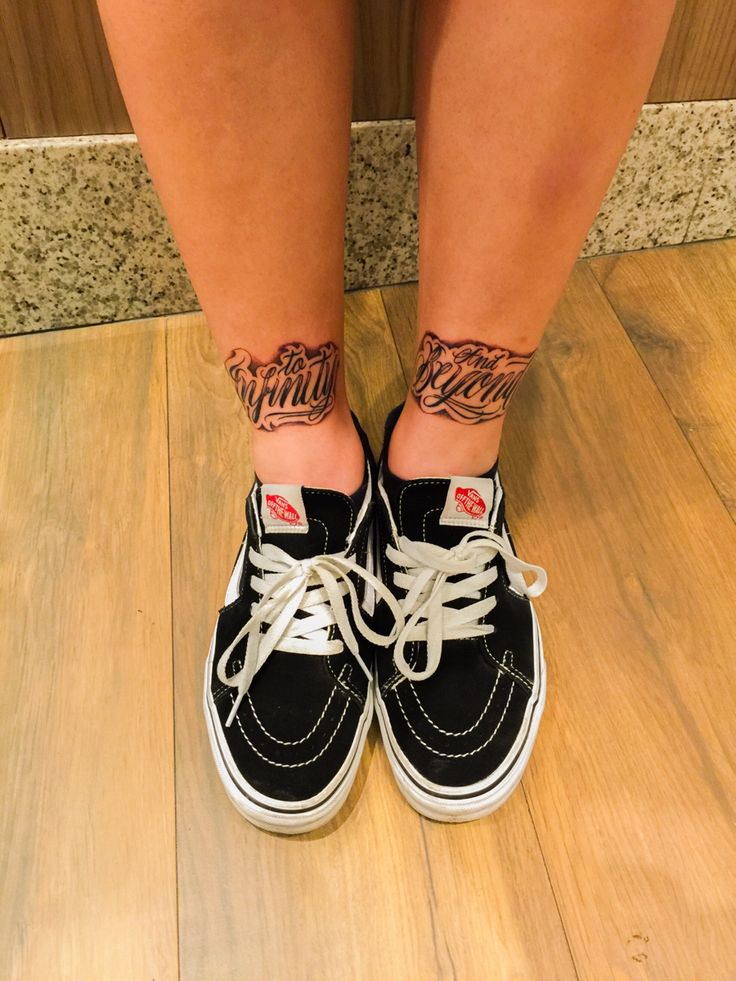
{"x": 288, "y": 682}
{"x": 460, "y": 695}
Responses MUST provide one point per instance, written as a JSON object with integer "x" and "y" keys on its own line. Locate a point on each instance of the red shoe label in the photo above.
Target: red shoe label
{"x": 469, "y": 500}
{"x": 281, "y": 509}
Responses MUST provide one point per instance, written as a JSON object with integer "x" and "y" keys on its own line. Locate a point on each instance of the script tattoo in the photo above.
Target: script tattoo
{"x": 468, "y": 381}
{"x": 297, "y": 386}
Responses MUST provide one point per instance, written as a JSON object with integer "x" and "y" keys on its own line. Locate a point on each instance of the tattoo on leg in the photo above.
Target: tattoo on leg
{"x": 298, "y": 386}
{"x": 468, "y": 381}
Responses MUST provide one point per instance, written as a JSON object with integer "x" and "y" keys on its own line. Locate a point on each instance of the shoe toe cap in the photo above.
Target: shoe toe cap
{"x": 459, "y": 744}
{"x": 290, "y": 759}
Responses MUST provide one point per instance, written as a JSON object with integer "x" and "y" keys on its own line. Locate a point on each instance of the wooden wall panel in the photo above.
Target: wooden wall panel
{"x": 56, "y": 77}
{"x": 699, "y": 56}
{"x": 384, "y": 63}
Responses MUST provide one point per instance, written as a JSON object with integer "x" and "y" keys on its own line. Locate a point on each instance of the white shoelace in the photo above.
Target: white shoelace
{"x": 426, "y": 613}
{"x": 316, "y": 586}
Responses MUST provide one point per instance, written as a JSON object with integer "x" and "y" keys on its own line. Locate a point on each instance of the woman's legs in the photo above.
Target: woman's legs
{"x": 242, "y": 110}
{"x": 523, "y": 111}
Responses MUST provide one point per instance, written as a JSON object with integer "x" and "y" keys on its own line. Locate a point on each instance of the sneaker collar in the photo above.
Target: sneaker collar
{"x": 306, "y": 521}
{"x": 441, "y": 510}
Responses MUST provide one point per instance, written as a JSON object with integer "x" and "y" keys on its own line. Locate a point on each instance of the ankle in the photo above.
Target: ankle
{"x": 328, "y": 454}
{"x": 424, "y": 445}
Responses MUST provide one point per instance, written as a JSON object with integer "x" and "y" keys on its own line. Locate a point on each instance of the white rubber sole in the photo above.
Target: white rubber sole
{"x": 271, "y": 814}
{"x": 457, "y": 804}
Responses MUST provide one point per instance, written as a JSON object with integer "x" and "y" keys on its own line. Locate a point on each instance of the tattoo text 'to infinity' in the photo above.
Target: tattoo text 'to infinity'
{"x": 297, "y": 386}
{"x": 468, "y": 381}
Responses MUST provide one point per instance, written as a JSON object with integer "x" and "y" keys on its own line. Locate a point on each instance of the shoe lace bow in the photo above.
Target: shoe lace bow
{"x": 425, "y": 572}
{"x": 316, "y": 587}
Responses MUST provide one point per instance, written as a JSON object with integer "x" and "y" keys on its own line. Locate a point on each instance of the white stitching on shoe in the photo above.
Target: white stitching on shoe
{"x": 397, "y": 676}
{"x": 424, "y": 521}
{"x": 345, "y": 682}
{"x": 216, "y": 695}
{"x": 405, "y": 488}
{"x": 513, "y": 672}
{"x": 291, "y": 766}
{"x": 455, "y": 756}
{"x": 294, "y": 742}
{"x": 320, "y": 522}
{"x": 464, "y": 732}
{"x": 331, "y": 493}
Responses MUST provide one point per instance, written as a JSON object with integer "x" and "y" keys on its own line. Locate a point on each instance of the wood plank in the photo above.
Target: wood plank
{"x": 632, "y": 784}
{"x": 383, "y": 86}
{"x": 87, "y": 866}
{"x": 56, "y": 76}
{"x": 698, "y": 60}
{"x": 357, "y": 898}
{"x": 677, "y": 307}
{"x": 374, "y": 379}
{"x": 400, "y": 304}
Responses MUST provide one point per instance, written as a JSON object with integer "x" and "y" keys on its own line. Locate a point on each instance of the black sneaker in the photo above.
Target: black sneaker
{"x": 460, "y": 700}
{"x": 288, "y": 695}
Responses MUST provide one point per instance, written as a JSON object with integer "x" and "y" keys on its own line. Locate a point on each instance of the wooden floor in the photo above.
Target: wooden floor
{"x": 123, "y": 470}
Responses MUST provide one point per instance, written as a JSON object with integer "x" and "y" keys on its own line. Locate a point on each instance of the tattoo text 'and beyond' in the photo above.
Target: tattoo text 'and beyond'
{"x": 469, "y": 381}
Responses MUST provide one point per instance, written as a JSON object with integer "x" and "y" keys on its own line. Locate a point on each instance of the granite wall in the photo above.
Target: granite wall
{"x": 83, "y": 239}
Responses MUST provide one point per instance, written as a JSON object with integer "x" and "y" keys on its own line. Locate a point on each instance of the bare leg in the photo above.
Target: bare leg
{"x": 523, "y": 111}
{"x": 242, "y": 110}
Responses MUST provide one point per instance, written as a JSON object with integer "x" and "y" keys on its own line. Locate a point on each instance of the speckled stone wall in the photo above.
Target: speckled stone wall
{"x": 83, "y": 239}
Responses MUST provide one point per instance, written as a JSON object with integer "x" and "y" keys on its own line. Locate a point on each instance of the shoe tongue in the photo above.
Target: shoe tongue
{"x": 306, "y": 521}
{"x": 444, "y": 510}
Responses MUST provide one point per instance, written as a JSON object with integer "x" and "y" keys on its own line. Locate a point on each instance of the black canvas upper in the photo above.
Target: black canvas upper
{"x": 297, "y": 722}
{"x": 458, "y": 726}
